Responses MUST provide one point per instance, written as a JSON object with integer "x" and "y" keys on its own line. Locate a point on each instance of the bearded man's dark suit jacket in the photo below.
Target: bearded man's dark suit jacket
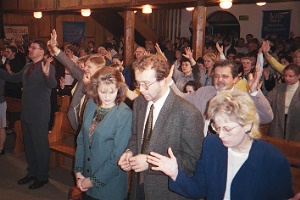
{"x": 179, "y": 126}
{"x": 35, "y": 115}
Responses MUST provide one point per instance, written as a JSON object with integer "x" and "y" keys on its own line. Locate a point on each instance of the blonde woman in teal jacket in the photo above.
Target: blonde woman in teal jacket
{"x": 103, "y": 138}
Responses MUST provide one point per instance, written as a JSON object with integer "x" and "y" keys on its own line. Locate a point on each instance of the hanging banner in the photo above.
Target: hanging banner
{"x": 276, "y": 22}
{"x": 74, "y": 32}
{"x": 18, "y": 33}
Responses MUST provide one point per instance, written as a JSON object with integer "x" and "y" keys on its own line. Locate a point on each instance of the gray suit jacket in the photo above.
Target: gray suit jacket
{"x": 77, "y": 73}
{"x": 277, "y": 100}
{"x": 203, "y": 95}
{"x": 36, "y": 92}
{"x": 179, "y": 126}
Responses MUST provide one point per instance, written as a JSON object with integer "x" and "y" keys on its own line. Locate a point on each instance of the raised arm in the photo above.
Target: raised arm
{"x": 273, "y": 62}
{"x": 63, "y": 58}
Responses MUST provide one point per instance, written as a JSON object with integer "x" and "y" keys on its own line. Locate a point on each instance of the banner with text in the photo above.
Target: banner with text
{"x": 74, "y": 32}
{"x": 276, "y": 22}
{"x": 17, "y": 33}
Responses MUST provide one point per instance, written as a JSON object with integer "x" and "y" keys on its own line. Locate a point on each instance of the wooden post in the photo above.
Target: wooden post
{"x": 199, "y": 23}
{"x": 129, "y": 36}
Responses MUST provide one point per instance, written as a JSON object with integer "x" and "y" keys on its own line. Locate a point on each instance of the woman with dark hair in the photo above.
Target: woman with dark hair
{"x": 191, "y": 87}
{"x": 285, "y": 102}
{"x": 103, "y": 138}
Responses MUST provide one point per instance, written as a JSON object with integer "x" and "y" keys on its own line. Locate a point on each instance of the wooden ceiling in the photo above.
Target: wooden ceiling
{"x": 12, "y": 6}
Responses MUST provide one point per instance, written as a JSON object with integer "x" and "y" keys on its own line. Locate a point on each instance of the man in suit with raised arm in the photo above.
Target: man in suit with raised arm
{"x": 38, "y": 78}
{"x": 161, "y": 119}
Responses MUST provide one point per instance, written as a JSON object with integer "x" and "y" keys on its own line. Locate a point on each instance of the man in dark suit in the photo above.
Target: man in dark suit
{"x": 175, "y": 123}
{"x": 38, "y": 78}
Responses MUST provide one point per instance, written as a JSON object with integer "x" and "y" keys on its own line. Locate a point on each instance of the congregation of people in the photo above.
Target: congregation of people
{"x": 175, "y": 126}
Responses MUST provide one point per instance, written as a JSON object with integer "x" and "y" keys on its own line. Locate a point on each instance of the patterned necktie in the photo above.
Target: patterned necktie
{"x": 146, "y": 140}
{"x": 148, "y": 130}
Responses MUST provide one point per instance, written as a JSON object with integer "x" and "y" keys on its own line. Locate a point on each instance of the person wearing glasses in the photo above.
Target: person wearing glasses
{"x": 38, "y": 79}
{"x": 225, "y": 77}
{"x": 174, "y": 122}
{"x": 234, "y": 163}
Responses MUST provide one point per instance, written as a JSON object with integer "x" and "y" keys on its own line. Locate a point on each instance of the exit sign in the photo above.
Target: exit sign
{"x": 243, "y": 17}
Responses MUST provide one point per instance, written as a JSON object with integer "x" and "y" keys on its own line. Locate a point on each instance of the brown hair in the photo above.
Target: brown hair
{"x": 106, "y": 75}
{"x": 98, "y": 60}
{"x": 154, "y": 61}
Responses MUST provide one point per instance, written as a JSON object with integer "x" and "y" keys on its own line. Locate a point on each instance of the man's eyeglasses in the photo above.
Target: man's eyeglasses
{"x": 33, "y": 48}
{"x": 225, "y": 129}
{"x": 144, "y": 85}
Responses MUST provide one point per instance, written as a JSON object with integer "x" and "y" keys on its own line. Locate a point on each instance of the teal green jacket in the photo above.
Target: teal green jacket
{"x": 99, "y": 159}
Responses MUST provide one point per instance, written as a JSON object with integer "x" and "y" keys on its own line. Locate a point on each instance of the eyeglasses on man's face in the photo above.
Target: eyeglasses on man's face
{"x": 225, "y": 129}
{"x": 33, "y": 48}
{"x": 144, "y": 85}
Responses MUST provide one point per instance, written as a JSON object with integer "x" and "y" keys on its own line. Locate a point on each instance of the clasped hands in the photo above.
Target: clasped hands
{"x": 83, "y": 183}
{"x": 140, "y": 162}
{"x": 137, "y": 163}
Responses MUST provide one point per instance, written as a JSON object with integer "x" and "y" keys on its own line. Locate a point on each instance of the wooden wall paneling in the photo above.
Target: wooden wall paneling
{"x": 92, "y": 2}
{"x": 27, "y": 4}
{"x": 67, "y": 3}
{"x": 168, "y": 25}
{"x": 42, "y": 4}
{"x": 116, "y": 1}
{"x": 171, "y": 35}
{"x": 43, "y": 27}
{"x": 10, "y": 5}
{"x": 179, "y": 23}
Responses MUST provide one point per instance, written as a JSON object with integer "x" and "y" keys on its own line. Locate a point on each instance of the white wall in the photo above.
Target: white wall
{"x": 254, "y": 24}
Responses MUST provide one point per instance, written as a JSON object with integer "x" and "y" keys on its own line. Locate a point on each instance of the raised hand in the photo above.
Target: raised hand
{"x": 265, "y": 46}
{"x": 53, "y": 40}
{"x": 86, "y": 78}
{"x": 8, "y": 69}
{"x": 219, "y": 48}
{"x": 167, "y": 165}
{"x": 188, "y": 53}
{"x": 46, "y": 68}
{"x": 254, "y": 79}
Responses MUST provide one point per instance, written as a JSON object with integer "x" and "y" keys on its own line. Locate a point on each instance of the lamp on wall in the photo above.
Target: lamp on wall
{"x": 189, "y": 8}
{"x": 225, "y": 4}
{"x": 147, "y": 9}
{"x": 85, "y": 12}
{"x": 37, "y": 15}
{"x": 261, "y": 3}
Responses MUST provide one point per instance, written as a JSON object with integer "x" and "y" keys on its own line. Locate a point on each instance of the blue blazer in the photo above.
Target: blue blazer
{"x": 99, "y": 159}
{"x": 264, "y": 175}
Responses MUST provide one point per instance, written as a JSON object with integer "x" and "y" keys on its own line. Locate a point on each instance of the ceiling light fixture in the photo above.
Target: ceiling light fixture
{"x": 147, "y": 9}
{"x": 261, "y": 3}
{"x": 37, "y": 15}
{"x": 189, "y": 8}
{"x": 85, "y": 12}
{"x": 225, "y": 4}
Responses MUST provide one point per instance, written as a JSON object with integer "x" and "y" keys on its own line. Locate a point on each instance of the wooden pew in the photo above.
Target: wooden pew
{"x": 60, "y": 129}
{"x": 15, "y": 105}
{"x": 290, "y": 149}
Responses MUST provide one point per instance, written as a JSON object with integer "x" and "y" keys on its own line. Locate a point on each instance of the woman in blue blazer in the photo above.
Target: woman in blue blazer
{"x": 103, "y": 138}
{"x": 235, "y": 164}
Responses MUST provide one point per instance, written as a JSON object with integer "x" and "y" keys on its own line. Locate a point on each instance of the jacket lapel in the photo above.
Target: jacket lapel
{"x": 161, "y": 120}
{"x": 141, "y": 114}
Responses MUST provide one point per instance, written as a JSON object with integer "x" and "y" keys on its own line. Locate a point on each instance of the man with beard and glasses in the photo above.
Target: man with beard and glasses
{"x": 225, "y": 76}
